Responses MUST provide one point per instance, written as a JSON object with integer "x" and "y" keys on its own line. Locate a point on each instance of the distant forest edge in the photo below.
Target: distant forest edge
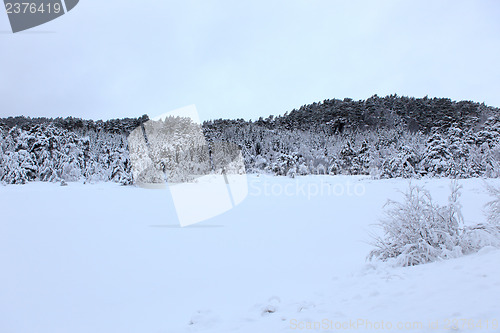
{"x": 385, "y": 137}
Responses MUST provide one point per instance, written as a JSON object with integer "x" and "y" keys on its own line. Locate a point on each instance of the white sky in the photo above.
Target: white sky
{"x": 245, "y": 59}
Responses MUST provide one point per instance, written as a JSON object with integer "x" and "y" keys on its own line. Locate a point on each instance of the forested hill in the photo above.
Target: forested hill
{"x": 416, "y": 114}
{"x": 384, "y": 137}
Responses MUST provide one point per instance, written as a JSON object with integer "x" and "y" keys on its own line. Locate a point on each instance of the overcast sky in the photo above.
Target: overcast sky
{"x": 245, "y": 59}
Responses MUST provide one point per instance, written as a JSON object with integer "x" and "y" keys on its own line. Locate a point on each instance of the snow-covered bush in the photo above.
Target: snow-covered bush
{"x": 418, "y": 230}
{"x": 493, "y": 207}
{"x": 475, "y": 237}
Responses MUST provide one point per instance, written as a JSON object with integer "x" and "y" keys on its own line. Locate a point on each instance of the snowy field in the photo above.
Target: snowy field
{"x": 104, "y": 258}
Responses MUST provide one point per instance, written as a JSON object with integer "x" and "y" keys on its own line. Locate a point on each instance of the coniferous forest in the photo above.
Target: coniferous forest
{"x": 385, "y": 137}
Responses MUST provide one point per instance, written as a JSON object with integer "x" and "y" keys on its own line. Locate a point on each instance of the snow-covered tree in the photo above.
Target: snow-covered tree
{"x": 418, "y": 230}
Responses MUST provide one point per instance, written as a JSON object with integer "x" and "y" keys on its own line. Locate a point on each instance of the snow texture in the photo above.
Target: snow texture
{"x": 105, "y": 258}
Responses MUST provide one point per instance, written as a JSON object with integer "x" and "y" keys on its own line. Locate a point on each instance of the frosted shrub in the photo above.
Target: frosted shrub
{"x": 493, "y": 207}
{"x": 474, "y": 238}
{"x": 485, "y": 234}
{"x": 418, "y": 230}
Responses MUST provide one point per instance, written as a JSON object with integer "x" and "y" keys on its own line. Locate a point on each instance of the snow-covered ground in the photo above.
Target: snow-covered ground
{"x": 105, "y": 258}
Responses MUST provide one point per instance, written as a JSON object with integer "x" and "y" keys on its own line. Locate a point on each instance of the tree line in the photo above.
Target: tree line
{"x": 385, "y": 137}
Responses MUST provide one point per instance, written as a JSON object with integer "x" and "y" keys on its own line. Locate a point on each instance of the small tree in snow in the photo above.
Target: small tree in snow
{"x": 493, "y": 207}
{"x": 418, "y": 230}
